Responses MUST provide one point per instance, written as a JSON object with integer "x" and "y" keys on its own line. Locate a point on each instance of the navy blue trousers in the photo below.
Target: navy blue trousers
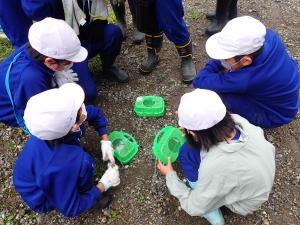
{"x": 108, "y": 49}
{"x": 169, "y": 15}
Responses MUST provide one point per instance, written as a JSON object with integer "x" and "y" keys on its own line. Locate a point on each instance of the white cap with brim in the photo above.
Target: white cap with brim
{"x": 51, "y": 114}
{"x": 56, "y": 39}
{"x": 200, "y": 109}
{"x": 240, "y": 36}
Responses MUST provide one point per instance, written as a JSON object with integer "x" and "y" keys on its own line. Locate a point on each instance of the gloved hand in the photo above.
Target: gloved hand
{"x": 107, "y": 151}
{"x": 111, "y": 177}
{"x": 63, "y": 77}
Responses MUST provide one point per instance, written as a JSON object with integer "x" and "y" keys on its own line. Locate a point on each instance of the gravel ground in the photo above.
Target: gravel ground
{"x": 142, "y": 197}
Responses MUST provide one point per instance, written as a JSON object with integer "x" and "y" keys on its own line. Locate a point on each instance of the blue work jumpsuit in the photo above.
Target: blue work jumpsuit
{"x": 108, "y": 47}
{"x": 59, "y": 177}
{"x": 265, "y": 92}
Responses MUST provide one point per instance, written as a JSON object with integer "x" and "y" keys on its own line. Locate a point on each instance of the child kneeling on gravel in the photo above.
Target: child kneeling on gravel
{"x": 252, "y": 72}
{"x": 53, "y": 171}
{"x": 226, "y": 160}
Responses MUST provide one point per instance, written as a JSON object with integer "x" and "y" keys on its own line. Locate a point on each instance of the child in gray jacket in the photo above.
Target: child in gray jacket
{"x": 233, "y": 163}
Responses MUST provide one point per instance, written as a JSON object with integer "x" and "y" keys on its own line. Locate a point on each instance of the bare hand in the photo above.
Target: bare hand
{"x": 165, "y": 169}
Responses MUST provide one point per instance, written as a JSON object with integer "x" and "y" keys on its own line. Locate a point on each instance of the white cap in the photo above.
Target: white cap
{"x": 56, "y": 39}
{"x": 51, "y": 114}
{"x": 200, "y": 109}
{"x": 241, "y": 36}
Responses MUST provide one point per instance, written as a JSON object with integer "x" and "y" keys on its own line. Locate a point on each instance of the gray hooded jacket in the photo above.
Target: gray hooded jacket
{"x": 238, "y": 175}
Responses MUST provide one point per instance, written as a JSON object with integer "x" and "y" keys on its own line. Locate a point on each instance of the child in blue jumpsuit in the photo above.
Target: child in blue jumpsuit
{"x": 156, "y": 17}
{"x": 31, "y": 69}
{"x": 96, "y": 36}
{"x": 252, "y": 72}
{"x": 53, "y": 171}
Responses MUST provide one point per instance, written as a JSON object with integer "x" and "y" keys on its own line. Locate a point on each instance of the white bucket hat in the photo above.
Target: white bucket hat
{"x": 56, "y": 39}
{"x": 51, "y": 114}
{"x": 200, "y": 109}
{"x": 240, "y": 36}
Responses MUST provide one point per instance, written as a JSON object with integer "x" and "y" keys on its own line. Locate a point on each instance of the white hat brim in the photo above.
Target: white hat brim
{"x": 77, "y": 91}
{"x": 80, "y": 56}
{"x": 214, "y": 50}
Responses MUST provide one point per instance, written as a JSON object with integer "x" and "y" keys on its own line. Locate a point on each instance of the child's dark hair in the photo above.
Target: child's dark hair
{"x": 252, "y": 55}
{"x": 39, "y": 56}
{"x": 205, "y": 139}
{"x": 54, "y": 143}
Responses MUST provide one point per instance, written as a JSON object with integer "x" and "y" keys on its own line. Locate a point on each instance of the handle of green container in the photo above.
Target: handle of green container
{"x": 158, "y": 136}
{"x": 129, "y": 137}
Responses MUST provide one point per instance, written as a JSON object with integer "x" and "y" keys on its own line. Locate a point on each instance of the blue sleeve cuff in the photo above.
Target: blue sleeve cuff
{"x": 102, "y": 131}
{"x": 96, "y": 192}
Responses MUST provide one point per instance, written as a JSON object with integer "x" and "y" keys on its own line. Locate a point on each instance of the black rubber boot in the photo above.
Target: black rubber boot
{"x": 188, "y": 69}
{"x": 137, "y": 36}
{"x": 221, "y": 18}
{"x": 232, "y": 12}
{"x": 113, "y": 72}
{"x": 154, "y": 44}
{"x": 119, "y": 11}
{"x": 210, "y": 15}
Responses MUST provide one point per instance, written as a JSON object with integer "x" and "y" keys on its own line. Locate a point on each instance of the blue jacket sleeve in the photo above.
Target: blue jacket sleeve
{"x": 96, "y": 119}
{"x": 212, "y": 78}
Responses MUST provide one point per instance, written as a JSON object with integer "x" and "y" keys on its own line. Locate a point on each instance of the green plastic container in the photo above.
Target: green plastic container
{"x": 167, "y": 142}
{"x": 149, "y": 106}
{"x": 124, "y": 145}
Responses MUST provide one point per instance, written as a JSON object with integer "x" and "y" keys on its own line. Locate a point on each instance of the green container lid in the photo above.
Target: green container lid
{"x": 124, "y": 145}
{"x": 167, "y": 142}
{"x": 149, "y": 106}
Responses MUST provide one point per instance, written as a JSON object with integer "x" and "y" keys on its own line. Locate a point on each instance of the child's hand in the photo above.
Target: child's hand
{"x": 165, "y": 169}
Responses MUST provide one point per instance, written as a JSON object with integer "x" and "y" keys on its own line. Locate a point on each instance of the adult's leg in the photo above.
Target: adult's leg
{"x": 38, "y": 10}
{"x": 120, "y": 13}
{"x": 154, "y": 43}
{"x": 146, "y": 21}
{"x": 137, "y": 36}
{"x": 232, "y": 11}
{"x": 109, "y": 48}
{"x": 14, "y": 22}
{"x": 170, "y": 19}
{"x": 221, "y": 17}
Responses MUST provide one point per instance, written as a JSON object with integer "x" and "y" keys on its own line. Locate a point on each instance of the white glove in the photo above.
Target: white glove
{"x": 107, "y": 151}
{"x": 111, "y": 177}
{"x": 63, "y": 77}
